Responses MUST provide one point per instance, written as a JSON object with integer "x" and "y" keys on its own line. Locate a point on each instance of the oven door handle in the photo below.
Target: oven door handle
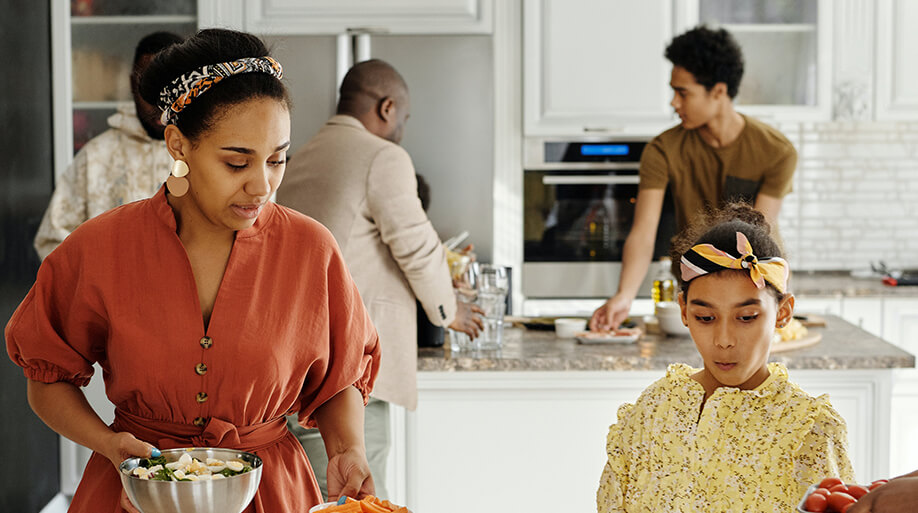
{"x": 590, "y": 179}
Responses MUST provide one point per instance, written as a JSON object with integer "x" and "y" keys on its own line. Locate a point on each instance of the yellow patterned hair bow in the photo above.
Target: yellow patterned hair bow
{"x": 705, "y": 258}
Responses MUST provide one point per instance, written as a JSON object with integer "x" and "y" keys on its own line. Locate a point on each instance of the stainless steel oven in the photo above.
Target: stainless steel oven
{"x": 578, "y": 207}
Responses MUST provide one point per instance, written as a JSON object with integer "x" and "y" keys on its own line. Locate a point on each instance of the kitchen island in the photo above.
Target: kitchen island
{"x": 524, "y": 429}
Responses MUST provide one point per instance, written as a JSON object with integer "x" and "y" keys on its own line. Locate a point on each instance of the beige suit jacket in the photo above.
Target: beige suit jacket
{"x": 363, "y": 188}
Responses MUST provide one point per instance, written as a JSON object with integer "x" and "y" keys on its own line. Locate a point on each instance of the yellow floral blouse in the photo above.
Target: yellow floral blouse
{"x": 747, "y": 450}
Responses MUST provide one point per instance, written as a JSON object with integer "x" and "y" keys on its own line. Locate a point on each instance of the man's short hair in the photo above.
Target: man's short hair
{"x": 710, "y": 55}
{"x": 155, "y": 43}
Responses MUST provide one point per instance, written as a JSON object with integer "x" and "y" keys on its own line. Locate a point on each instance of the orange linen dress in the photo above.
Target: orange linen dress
{"x": 288, "y": 331}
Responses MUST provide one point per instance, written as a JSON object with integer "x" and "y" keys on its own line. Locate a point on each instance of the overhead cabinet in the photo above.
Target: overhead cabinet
{"x": 330, "y": 17}
{"x": 595, "y": 66}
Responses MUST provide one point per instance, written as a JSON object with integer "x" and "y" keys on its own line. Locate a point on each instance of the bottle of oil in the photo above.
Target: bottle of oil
{"x": 664, "y": 286}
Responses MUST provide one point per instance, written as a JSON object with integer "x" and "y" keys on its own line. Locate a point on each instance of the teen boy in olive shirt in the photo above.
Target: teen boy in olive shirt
{"x": 714, "y": 156}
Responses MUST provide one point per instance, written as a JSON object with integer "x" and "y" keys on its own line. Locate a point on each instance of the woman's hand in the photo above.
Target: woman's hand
{"x": 126, "y": 503}
{"x": 122, "y": 446}
{"x": 349, "y": 474}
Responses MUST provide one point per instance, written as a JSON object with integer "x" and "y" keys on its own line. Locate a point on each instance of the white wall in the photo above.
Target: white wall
{"x": 855, "y": 198}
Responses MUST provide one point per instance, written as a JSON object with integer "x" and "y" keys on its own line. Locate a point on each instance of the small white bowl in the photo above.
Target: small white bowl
{"x": 668, "y": 308}
{"x": 671, "y": 324}
{"x": 569, "y": 327}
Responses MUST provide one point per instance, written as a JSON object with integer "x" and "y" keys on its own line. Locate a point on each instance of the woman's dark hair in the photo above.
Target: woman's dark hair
{"x": 211, "y": 46}
{"x": 718, "y": 227}
{"x": 712, "y": 56}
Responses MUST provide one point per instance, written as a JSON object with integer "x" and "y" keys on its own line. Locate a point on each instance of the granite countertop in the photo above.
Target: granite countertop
{"x": 843, "y": 346}
{"x": 841, "y": 283}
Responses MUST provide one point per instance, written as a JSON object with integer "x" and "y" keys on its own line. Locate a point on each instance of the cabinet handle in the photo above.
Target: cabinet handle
{"x": 591, "y": 180}
{"x": 601, "y": 129}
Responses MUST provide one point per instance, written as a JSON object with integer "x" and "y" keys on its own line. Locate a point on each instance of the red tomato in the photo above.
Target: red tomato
{"x": 857, "y": 491}
{"x": 878, "y": 482}
{"x": 816, "y": 503}
{"x": 829, "y": 482}
{"x": 838, "y": 500}
{"x": 846, "y": 507}
{"x": 822, "y": 491}
{"x": 838, "y": 488}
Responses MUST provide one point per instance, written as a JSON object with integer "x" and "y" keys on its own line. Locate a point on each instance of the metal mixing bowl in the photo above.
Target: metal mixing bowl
{"x": 230, "y": 495}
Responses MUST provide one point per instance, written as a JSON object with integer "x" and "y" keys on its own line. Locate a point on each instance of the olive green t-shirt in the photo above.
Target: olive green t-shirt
{"x": 760, "y": 161}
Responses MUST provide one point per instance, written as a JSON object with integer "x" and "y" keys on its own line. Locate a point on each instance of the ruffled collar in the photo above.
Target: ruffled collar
{"x": 165, "y": 214}
{"x": 681, "y": 374}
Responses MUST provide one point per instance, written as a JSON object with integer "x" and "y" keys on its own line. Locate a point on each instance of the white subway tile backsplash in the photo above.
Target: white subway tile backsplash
{"x": 855, "y": 196}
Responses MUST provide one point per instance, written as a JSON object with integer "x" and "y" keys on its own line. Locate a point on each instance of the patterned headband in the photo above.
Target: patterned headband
{"x": 705, "y": 258}
{"x": 177, "y": 95}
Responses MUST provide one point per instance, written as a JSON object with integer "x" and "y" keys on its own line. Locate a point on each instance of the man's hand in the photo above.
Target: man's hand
{"x": 611, "y": 314}
{"x": 898, "y": 495}
{"x": 468, "y": 319}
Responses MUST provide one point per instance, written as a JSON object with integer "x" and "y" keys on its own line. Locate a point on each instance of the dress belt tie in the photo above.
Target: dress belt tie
{"x": 216, "y": 433}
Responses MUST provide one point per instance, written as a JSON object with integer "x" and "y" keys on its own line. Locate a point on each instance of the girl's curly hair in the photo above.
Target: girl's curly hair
{"x": 718, "y": 227}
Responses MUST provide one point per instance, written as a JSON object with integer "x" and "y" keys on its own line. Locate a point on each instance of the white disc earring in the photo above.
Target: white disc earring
{"x": 179, "y": 168}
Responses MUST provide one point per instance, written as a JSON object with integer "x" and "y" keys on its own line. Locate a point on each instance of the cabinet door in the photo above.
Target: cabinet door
{"x": 897, "y": 46}
{"x": 513, "y": 441}
{"x": 595, "y": 65}
{"x": 900, "y": 327}
{"x": 787, "y": 48}
{"x": 900, "y": 322}
{"x": 818, "y": 305}
{"x": 865, "y": 313}
{"x": 295, "y": 17}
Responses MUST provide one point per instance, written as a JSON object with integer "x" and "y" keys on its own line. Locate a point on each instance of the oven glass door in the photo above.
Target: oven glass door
{"x": 584, "y": 215}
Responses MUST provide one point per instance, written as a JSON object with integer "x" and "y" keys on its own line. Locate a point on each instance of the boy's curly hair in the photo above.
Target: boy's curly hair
{"x": 718, "y": 227}
{"x": 710, "y": 55}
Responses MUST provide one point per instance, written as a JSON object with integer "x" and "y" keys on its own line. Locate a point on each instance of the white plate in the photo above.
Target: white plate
{"x": 320, "y": 507}
{"x": 596, "y": 338}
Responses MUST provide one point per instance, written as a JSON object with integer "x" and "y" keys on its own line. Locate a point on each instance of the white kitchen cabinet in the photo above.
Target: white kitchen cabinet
{"x": 818, "y": 304}
{"x": 897, "y": 51}
{"x": 865, "y": 313}
{"x": 535, "y": 441}
{"x": 332, "y": 17}
{"x": 788, "y": 51}
{"x": 900, "y": 327}
{"x": 595, "y": 66}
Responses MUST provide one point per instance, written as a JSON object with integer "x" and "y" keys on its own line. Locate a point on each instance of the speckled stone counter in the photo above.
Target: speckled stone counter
{"x": 843, "y": 346}
{"x": 832, "y": 283}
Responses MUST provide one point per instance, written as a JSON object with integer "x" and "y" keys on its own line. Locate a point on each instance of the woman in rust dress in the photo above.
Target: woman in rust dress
{"x": 212, "y": 311}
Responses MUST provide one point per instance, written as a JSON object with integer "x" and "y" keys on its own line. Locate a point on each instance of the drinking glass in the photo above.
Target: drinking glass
{"x": 466, "y": 292}
{"x": 493, "y": 285}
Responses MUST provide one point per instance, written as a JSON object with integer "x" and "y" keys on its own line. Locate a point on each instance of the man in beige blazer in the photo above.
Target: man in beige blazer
{"x": 354, "y": 178}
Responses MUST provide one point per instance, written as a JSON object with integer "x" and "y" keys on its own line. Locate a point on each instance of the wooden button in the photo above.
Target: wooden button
{"x": 206, "y": 342}
{"x": 201, "y": 369}
{"x": 200, "y": 421}
{"x": 201, "y": 397}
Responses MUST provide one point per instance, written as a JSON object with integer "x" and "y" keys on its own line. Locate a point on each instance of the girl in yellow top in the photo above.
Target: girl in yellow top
{"x": 735, "y": 435}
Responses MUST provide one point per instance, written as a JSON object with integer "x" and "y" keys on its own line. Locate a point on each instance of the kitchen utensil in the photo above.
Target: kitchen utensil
{"x": 230, "y": 495}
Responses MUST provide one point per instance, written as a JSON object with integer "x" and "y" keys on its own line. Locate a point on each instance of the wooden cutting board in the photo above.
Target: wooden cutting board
{"x": 811, "y": 338}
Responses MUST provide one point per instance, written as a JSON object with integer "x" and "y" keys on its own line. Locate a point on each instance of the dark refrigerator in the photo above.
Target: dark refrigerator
{"x": 30, "y": 476}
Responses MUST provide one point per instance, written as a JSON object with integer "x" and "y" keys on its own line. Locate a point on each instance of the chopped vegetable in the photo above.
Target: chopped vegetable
{"x": 187, "y": 468}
